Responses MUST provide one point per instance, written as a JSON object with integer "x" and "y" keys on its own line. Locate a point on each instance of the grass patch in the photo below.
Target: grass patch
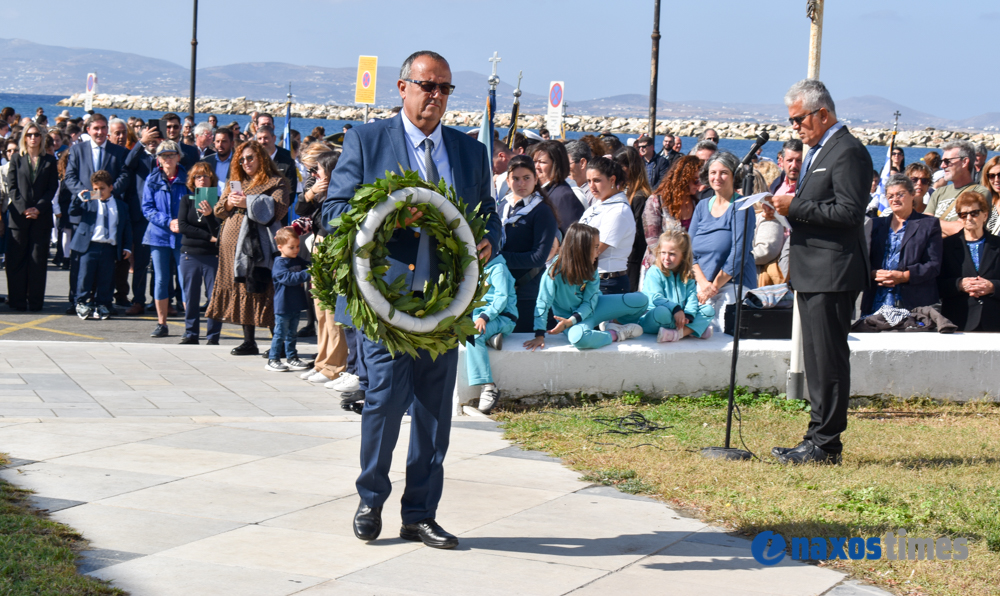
{"x": 931, "y": 468}
{"x": 37, "y": 556}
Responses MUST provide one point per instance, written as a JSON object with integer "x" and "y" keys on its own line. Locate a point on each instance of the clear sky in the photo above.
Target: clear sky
{"x": 926, "y": 54}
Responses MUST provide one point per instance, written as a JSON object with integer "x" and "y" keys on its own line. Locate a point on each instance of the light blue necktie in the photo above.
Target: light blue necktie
{"x": 422, "y": 268}
{"x": 809, "y": 157}
{"x": 98, "y": 158}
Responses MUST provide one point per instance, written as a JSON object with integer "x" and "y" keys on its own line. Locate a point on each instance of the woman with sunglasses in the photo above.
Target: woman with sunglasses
{"x": 921, "y": 177}
{"x": 32, "y": 182}
{"x": 243, "y": 293}
{"x": 970, "y": 270}
{"x": 898, "y": 159}
{"x": 991, "y": 180}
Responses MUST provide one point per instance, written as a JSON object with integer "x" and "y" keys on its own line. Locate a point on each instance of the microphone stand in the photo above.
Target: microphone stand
{"x": 728, "y": 452}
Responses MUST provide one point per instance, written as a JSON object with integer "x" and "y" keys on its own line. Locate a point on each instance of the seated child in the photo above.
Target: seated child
{"x": 674, "y": 311}
{"x": 102, "y": 238}
{"x": 493, "y": 321}
{"x": 571, "y": 288}
{"x": 289, "y": 274}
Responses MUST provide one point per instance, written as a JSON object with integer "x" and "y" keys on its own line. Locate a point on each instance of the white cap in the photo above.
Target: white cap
{"x": 533, "y": 135}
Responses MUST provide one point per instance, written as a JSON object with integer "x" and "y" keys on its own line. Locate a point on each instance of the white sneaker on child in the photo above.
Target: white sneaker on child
{"x": 627, "y": 331}
{"x": 488, "y": 398}
{"x": 666, "y": 335}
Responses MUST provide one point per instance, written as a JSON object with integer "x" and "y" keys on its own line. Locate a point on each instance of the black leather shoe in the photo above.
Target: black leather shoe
{"x": 212, "y": 342}
{"x": 246, "y": 348}
{"x": 307, "y": 331}
{"x": 810, "y": 454}
{"x": 189, "y": 340}
{"x": 779, "y": 451}
{"x": 367, "y": 522}
{"x": 349, "y": 401}
{"x": 428, "y": 532}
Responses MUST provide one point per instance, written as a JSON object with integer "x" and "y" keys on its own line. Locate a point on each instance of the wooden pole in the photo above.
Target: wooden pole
{"x": 814, "y": 10}
{"x": 654, "y": 68}
{"x": 194, "y": 56}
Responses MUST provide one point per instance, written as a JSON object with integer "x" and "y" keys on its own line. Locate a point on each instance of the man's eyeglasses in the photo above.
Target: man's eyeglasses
{"x": 917, "y": 180}
{"x": 798, "y": 119}
{"x": 969, "y": 214}
{"x": 946, "y": 162}
{"x": 430, "y": 86}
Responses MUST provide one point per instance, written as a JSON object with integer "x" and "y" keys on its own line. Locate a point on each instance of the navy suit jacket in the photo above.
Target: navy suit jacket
{"x": 80, "y": 167}
{"x": 372, "y": 149}
{"x": 88, "y": 220}
{"x": 920, "y": 253}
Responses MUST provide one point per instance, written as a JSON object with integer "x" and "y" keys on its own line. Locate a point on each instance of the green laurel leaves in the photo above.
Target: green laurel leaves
{"x": 332, "y": 274}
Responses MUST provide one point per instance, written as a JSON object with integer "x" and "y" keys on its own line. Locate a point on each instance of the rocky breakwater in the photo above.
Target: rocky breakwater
{"x": 594, "y": 124}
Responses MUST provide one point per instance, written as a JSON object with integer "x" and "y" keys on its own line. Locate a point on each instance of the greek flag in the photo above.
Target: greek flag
{"x": 878, "y": 199}
{"x": 286, "y": 137}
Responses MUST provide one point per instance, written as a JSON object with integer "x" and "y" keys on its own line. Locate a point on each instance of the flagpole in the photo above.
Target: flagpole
{"x": 655, "y": 71}
{"x": 514, "y": 113}
{"x": 194, "y": 56}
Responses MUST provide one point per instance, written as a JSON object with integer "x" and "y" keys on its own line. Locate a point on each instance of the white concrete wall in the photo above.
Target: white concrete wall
{"x": 958, "y": 366}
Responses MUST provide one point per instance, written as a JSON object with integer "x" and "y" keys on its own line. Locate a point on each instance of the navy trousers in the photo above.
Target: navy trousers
{"x": 140, "y": 267}
{"x": 97, "y": 270}
{"x": 394, "y": 384}
{"x": 195, "y": 269}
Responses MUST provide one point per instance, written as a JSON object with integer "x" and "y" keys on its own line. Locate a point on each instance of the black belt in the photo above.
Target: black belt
{"x": 510, "y": 316}
{"x": 613, "y": 275}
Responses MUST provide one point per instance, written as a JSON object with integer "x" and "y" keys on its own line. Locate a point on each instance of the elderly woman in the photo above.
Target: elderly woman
{"x": 32, "y": 181}
{"x": 199, "y": 253}
{"x": 251, "y": 214}
{"x": 991, "y": 180}
{"x": 717, "y": 231}
{"x": 552, "y": 167}
{"x": 970, "y": 269}
{"x": 161, "y": 203}
{"x": 615, "y": 223}
{"x": 905, "y": 253}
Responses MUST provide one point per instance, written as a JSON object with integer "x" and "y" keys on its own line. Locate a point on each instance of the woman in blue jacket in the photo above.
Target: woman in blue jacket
{"x": 161, "y": 199}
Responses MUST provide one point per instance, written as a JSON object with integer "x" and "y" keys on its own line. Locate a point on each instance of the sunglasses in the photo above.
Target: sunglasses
{"x": 946, "y": 162}
{"x": 430, "y": 86}
{"x": 32, "y": 135}
{"x": 798, "y": 119}
{"x": 993, "y": 176}
{"x": 969, "y": 214}
{"x": 247, "y": 159}
{"x": 916, "y": 180}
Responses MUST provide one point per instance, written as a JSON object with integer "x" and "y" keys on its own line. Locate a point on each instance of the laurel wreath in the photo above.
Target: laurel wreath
{"x": 333, "y": 275}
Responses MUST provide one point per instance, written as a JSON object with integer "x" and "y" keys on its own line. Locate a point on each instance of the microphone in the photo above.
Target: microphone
{"x": 761, "y": 139}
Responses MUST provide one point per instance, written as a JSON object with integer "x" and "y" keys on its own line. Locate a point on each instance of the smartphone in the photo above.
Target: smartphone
{"x": 235, "y": 186}
{"x": 154, "y": 123}
{"x": 86, "y": 196}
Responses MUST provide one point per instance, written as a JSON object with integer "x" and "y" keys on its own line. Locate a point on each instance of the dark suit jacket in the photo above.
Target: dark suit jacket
{"x": 80, "y": 168}
{"x": 659, "y": 170}
{"x": 88, "y": 220}
{"x": 919, "y": 253}
{"x": 286, "y": 165}
{"x": 372, "y": 149}
{"x": 25, "y": 193}
{"x": 777, "y": 183}
{"x": 970, "y": 314}
{"x": 139, "y": 164}
{"x": 189, "y": 155}
{"x": 828, "y": 251}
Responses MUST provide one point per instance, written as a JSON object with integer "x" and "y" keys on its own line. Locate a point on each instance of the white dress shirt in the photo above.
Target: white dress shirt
{"x": 102, "y": 234}
{"x": 415, "y": 149}
{"x": 94, "y": 148}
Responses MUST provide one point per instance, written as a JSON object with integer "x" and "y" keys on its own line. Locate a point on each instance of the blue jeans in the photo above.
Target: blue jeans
{"x": 286, "y": 328}
{"x": 615, "y": 285}
{"x": 477, "y": 360}
{"x": 624, "y": 307}
{"x": 195, "y": 269}
{"x": 165, "y": 261}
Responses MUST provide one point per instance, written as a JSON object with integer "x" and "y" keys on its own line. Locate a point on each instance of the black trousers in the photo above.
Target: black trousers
{"x": 26, "y": 262}
{"x": 826, "y": 321}
{"x": 121, "y": 282}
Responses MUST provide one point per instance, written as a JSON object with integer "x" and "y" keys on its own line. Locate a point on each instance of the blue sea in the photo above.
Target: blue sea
{"x": 26, "y": 105}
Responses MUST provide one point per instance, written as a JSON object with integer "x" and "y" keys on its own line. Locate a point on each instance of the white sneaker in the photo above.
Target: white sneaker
{"x": 305, "y": 376}
{"x": 488, "y": 398}
{"x": 345, "y": 383}
{"x": 318, "y": 378}
{"x": 627, "y": 331}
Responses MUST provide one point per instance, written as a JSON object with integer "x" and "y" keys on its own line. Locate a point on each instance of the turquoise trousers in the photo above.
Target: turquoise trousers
{"x": 623, "y": 307}
{"x": 477, "y": 360}
{"x": 661, "y": 316}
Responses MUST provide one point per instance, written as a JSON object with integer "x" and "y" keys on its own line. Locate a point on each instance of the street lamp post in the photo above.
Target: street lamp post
{"x": 654, "y": 68}
{"x": 194, "y": 56}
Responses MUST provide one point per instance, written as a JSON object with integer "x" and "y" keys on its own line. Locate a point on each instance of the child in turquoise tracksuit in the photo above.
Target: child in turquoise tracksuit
{"x": 571, "y": 288}
{"x": 674, "y": 311}
{"x": 493, "y": 321}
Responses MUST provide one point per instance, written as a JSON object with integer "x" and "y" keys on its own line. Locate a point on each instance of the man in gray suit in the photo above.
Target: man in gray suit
{"x": 828, "y": 261}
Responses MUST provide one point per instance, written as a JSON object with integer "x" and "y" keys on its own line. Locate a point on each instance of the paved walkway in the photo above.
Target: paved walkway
{"x": 194, "y": 472}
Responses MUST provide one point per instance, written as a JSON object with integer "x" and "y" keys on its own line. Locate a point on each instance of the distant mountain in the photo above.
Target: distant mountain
{"x": 34, "y": 68}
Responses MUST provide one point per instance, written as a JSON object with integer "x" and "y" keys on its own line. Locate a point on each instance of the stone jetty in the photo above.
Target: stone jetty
{"x": 689, "y": 128}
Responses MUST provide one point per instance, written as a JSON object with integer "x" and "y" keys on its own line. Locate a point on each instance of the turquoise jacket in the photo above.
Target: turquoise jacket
{"x": 500, "y": 296}
{"x": 565, "y": 300}
{"x": 669, "y": 291}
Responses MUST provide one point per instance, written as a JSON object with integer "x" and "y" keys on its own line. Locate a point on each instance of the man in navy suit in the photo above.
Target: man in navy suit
{"x": 413, "y": 140}
{"x": 85, "y": 159}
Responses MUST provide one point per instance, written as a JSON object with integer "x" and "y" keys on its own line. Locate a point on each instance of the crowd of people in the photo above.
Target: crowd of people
{"x": 603, "y": 240}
